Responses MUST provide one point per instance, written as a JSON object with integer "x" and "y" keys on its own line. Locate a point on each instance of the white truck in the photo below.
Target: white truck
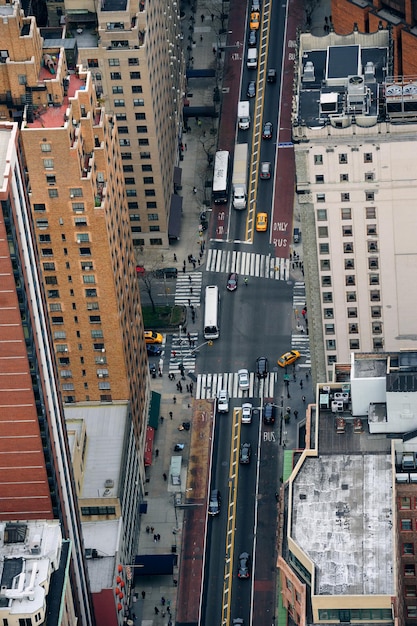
{"x": 243, "y": 115}
{"x": 240, "y": 175}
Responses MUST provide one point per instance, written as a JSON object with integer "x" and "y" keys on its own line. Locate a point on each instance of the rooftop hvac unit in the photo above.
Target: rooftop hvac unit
{"x": 369, "y": 72}
{"x": 308, "y": 72}
{"x": 109, "y": 483}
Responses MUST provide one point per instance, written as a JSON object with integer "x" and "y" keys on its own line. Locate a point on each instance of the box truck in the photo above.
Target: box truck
{"x": 240, "y": 175}
{"x": 243, "y": 115}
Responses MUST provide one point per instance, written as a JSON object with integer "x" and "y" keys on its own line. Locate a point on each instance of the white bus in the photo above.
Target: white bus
{"x": 211, "y": 313}
{"x": 221, "y": 177}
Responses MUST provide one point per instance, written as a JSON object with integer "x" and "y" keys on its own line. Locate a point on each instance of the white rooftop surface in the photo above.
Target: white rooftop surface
{"x": 104, "y": 536}
{"x": 346, "y": 532}
{"x": 105, "y": 426}
{"x": 5, "y": 137}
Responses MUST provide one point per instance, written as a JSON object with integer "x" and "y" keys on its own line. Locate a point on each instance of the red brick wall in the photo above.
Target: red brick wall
{"x": 345, "y": 14}
{"x": 409, "y": 53}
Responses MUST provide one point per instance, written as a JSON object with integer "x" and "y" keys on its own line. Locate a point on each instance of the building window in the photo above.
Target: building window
{"x": 405, "y": 503}
{"x": 371, "y": 229}
{"x": 95, "y": 319}
{"x": 375, "y": 311}
{"x": 134, "y": 217}
{"x": 124, "y": 142}
{"x": 146, "y": 168}
{"x": 351, "y": 296}
{"x": 408, "y": 548}
{"x": 138, "y": 102}
{"x": 53, "y": 293}
{"x": 137, "y": 89}
{"x": 85, "y": 251}
{"x": 119, "y": 102}
{"x": 131, "y": 193}
{"x": 134, "y": 75}
{"x": 320, "y": 197}
{"x": 409, "y": 569}
{"x": 411, "y": 610}
{"x": 128, "y": 168}
{"x": 155, "y": 242}
{"x": 89, "y": 279}
{"x": 80, "y": 221}
{"x": 347, "y": 231}
{"x": 330, "y": 344}
{"x": 114, "y": 62}
{"x": 136, "y": 229}
{"x": 369, "y": 196}
{"x": 344, "y": 178}
{"x": 48, "y": 267}
{"x": 138, "y": 242}
{"x": 45, "y": 238}
{"x": 327, "y": 296}
{"x": 46, "y": 147}
{"x": 323, "y": 231}
{"x": 354, "y": 344}
{"x": 42, "y": 223}
{"x": 375, "y": 295}
{"x": 377, "y": 328}
{"x": 367, "y": 157}
{"x": 318, "y": 159}
{"x": 324, "y": 248}
{"x": 82, "y": 237}
{"x": 370, "y": 212}
{"x": 53, "y": 193}
{"x": 343, "y": 158}
{"x": 353, "y": 329}
{"x": 350, "y": 280}
{"x": 348, "y": 247}
{"x": 133, "y": 205}
{"x": 329, "y": 329}
{"x": 143, "y": 142}
{"x": 51, "y": 280}
{"x": 153, "y": 229}
{"x": 410, "y": 591}
{"x": 47, "y": 252}
{"x": 150, "y": 193}
{"x": 78, "y": 207}
{"x": 345, "y": 197}
{"x": 145, "y": 155}
{"x": 346, "y": 214}
{"x": 48, "y": 164}
{"x": 369, "y": 176}
{"x": 129, "y": 180}
{"x": 374, "y": 279}
{"x": 58, "y": 319}
{"x": 151, "y": 205}
{"x": 102, "y": 373}
{"x": 325, "y": 264}
{"x": 121, "y": 117}
{"x": 352, "y": 312}
{"x": 406, "y": 524}
{"x": 93, "y": 306}
{"x": 133, "y": 61}
{"x": 92, "y": 62}
{"x": 140, "y": 116}
{"x": 87, "y": 265}
{"x": 331, "y": 359}
{"x": 40, "y": 208}
{"x": 349, "y": 264}
{"x": 329, "y": 314}
{"x": 319, "y": 179}
{"x": 141, "y": 129}
{"x": 373, "y": 263}
{"x": 123, "y": 130}
{"x": 117, "y": 89}
{"x": 126, "y": 156}
{"x": 148, "y": 180}
{"x": 326, "y": 281}
{"x": 91, "y": 293}
{"x": 322, "y": 215}
{"x": 115, "y": 76}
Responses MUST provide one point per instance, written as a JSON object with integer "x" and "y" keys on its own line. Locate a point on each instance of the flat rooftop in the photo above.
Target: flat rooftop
{"x": 342, "y": 519}
{"x": 54, "y": 116}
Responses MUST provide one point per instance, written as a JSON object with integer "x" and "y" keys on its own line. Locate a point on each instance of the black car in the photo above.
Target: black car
{"x": 251, "y": 92}
{"x": 271, "y": 76}
{"x": 262, "y": 368}
{"x": 252, "y": 39}
{"x": 166, "y": 272}
{"x": 267, "y": 131}
{"x": 232, "y": 282}
{"x": 214, "y": 502}
{"x": 269, "y": 413}
{"x": 244, "y": 565}
{"x": 153, "y": 349}
{"x": 245, "y": 452}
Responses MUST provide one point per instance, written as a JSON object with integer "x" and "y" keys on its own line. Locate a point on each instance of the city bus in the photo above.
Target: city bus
{"x": 221, "y": 177}
{"x": 211, "y": 313}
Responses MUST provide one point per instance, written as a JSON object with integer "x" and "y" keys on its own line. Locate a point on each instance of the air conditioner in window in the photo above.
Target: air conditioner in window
{"x": 78, "y": 240}
{"x": 103, "y": 349}
{"x": 101, "y": 375}
{"x": 65, "y": 349}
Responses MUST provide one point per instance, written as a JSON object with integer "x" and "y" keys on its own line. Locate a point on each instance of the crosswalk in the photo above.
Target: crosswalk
{"x": 188, "y": 291}
{"x": 208, "y": 386}
{"x": 299, "y": 339}
{"x": 182, "y": 352}
{"x": 248, "y": 264}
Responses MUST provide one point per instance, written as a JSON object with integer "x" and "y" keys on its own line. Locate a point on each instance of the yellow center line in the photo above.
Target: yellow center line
{"x": 231, "y": 517}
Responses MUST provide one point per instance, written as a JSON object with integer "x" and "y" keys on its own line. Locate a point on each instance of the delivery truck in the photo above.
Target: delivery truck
{"x": 240, "y": 175}
{"x": 243, "y": 115}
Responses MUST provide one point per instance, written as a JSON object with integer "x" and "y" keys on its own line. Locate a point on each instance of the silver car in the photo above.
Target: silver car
{"x": 243, "y": 377}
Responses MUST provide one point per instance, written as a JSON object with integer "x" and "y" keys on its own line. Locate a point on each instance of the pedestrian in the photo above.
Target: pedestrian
{"x": 191, "y": 387}
{"x": 194, "y": 264}
{"x": 196, "y": 120}
{"x": 170, "y": 415}
{"x": 163, "y": 613}
{"x": 182, "y": 147}
{"x": 158, "y": 537}
{"x": 162, "y": 419}
{"x": 185, "y": 146}
{"x": 191, "y": 290}
{"x": 155, "y": 538}
{"x": 156, "y": 610}
{"x": 183, "y": 269}
{"x": 148, "y": 529}
{"x": 202, "y": 17}
{"x": 175, "y": 258}
{"x": 152, "y": 529}
{"x": 288, "y": 410}
{"x": 306, "y": 375}
{"x": 304, "y": 398}
{"x": 204, "y": 133}
{"x": 188, "y": 388}
{"x": 193, "y": 317}
{"x": 301, "y": 384}
{"x": 174, "y": 354}
{"x": 303, "y": 313}
{"x": 184, "y": 329}
{"x": 189, "y": 302}
{"x": 214, "y": 49}
{"x": 199, "y": 262}
{"x": 201, "y": 37}
{"x": 276, "y": 496}
{"x": 189, "y": 278}
{"x": 194, "y": 190}
{"x": 174, "y": 399}
{"x": 164, "y": 476}
{"x": 180, "y": 387}
{"x": 294, "y": 377}
{"x": 295, "y": 414}
{"x": 212, "y": 17}
{"x": 169, "y": 610}
{"x": 188, "y": 336}
{"x": 175, "y": 582}
{"x": 199, "y": 123}
{"x": 156, "y": 452}
{"x": 143, "y": 595}
{"x": 184, "y": 263}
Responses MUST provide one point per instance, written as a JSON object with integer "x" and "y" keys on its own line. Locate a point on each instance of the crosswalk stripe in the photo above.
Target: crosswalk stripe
{"x": 248, "y": 264}
{"x": 208, "y": 386}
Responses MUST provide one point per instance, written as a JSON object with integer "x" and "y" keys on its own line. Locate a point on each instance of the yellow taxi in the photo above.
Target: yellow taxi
{"x": 152, "y": 337}
{"x": 288, "y": 358}
{"x": 261, "y": 222}
{"x": 254, "y": 20}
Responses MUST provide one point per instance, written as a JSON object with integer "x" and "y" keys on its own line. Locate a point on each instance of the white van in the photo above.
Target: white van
{"x": 252, "y": 59}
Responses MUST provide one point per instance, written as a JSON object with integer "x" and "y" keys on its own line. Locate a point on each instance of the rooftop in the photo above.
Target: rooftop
{"x": 7, "y": 133}
{"x": 342, "y": 519}
{"x": 54, "y": 116}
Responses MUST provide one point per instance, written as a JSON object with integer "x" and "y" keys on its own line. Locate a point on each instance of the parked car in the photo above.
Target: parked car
{"x": 223, "y": 401}
{"x": 271, "y": 76}
{"x": 253, "y": 39}
{"x": 245, "y": 452}
{"x": 261, "y": 222}
{"x": 267, "y": 130}
{"x": 152, "y": 337}
{"x": 256, "y": 5}
{"x": 244, "y": 565}
{"x": 265, "y": 170}
{"x": 254, "y": 20}
{"x": 251, "y": 91}
{"x": 269, "y": 413}
{"x": 166, "y": 272}
{"x": 246, "y": 413}
{"x": 153, "y": 349}
{"x": 289, "y": 358}
{"x": 238, "y": 621}
{"x": 232, "y": 282}
{"x": 262, "y": 368}
{"x": 214, "y": 502}
{"x": 243, "y": 379}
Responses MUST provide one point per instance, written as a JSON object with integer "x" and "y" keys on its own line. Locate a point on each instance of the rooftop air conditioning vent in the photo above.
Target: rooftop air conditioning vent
{"x": 308, "y": 72}
{"x": 303, "y": 496}
{"x": 107, "y": 493}
{"x": 109, "y": 483}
